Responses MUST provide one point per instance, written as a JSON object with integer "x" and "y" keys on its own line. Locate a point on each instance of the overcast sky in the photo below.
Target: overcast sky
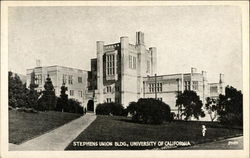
{"x": 205, "y": 37}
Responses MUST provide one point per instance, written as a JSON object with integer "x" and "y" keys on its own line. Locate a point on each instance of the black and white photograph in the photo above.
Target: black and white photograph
{"x": 119, "y": 77}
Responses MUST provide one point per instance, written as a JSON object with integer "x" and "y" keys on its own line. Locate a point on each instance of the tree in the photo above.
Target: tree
{"x": 32, "y": 95}
{"x": 62, "y": 102}
{"x": 17, "y": 92}
{"x": 212, "y": 107}
{"x": 230, "y": 107}
{"x": 48, "y": 99}
{"x": 191, "y": 103}
{"x": 149, "y": 111}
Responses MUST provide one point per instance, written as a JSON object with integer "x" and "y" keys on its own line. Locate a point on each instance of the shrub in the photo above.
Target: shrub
{"x": 73, "y": 106}
{"x": 110, "y": 108}
{"x": 149, "y": 111}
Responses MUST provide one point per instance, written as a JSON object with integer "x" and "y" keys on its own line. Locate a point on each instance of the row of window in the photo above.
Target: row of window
{"x": 71, "y": 93}
{"x": 195, "y": 85}
{"x": 69, "y": 79}
{"x": 66, "y": 78}
{"x": 153, "y": 87}
{"x": 109, "y": 89}
{"x": 109, "y": 100}
{"x": 158, "y": 87}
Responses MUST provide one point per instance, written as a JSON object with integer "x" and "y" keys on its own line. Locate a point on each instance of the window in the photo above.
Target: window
{"x": 148, "y": 66}
{"x": 110, "y": 64}
{"x": 108, "y": 100}
{"x": 80, "y": 93}
{"x": 64, "y": 78}
{"x": 159, "y": 99}
{"x": 38, "y": 79}
{"x": 117, "y": 88}
{"x": 159, "y": 87}
{"x": 70, "y": 79}
{"x": 187, "y": 85}
{"x": 108, "y": 89}
{"x": 79, "y": 79}
{"x": 150, "y": 87}
{"x": 214, "y": 89}
{"x": 117, "y": 100}
{"x": 153, "y": 87}
{"x": 195, "y": 85}
{"x": 71, "y": 92}
{"x": 132, "y": 62}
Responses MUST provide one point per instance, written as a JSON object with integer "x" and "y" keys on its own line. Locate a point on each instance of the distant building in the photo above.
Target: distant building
{"x": 166, "y": 87}
{"x": 74, "y": 79}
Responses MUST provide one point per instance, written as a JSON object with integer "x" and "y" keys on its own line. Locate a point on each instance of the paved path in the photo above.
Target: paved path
{"x": 229, "y": 144}
{"x": 59, "y": 138}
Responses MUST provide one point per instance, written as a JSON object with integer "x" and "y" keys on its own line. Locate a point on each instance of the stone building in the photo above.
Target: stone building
{"x": 166, "y": 87}
{"x": 118, "y": 72}
{"x": 74, "y": 79}
{"x": 124, "y": 72}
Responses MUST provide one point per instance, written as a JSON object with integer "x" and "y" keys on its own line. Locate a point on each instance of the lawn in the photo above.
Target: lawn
{"x": 121, "y": 129}
{"x": 24, "y": 126}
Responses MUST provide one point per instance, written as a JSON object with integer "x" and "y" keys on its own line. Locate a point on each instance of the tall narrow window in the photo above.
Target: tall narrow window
{"x": 38, "y": 79}
{"x": 187, "y": 85}
{"x": 79, "y": 79}
{"x": 195, "y": 85}
{"x": 130, "y": 61}
{"x": 71, "y": 92}
{"x": 110, "y": 64}
{"x": 148, "y": 66}
{"x": 70, "y": 79}
{"x": 134, "y": 62}
{"x": 64, "y": 78}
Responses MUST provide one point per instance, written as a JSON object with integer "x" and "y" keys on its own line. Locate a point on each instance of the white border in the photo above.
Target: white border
{"x": 169, "y": 153}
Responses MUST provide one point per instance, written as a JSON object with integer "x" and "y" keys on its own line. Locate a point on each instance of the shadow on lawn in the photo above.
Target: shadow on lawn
{"x": 208, "y": 124}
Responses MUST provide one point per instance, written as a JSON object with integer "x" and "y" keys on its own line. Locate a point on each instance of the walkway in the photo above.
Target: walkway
{"x": 57, "y": 139}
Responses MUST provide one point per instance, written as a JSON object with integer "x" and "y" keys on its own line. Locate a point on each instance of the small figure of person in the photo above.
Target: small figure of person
{"x": 203, "y": 130}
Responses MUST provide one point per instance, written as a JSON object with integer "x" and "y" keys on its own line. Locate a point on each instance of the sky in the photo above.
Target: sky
{"x": 205, "y": 37}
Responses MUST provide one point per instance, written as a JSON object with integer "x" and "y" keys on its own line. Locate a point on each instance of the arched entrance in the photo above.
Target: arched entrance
{"x": 90, "y": 106}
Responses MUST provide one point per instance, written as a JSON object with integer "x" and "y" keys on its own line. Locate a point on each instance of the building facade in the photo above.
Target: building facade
{"x": 117, "y": 73}
{"x": 74, "y": 79}
{"x": 123, "y": 72}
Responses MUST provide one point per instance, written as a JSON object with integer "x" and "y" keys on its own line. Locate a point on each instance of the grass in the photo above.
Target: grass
{"x": 24, "y": 126}
{"x": 107, "y": 128}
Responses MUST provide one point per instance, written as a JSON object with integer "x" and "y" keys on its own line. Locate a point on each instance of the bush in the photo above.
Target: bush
{"x": 149, "y": 111}
{"x": 73, "y": 106}
{"x": 110, "y": 108}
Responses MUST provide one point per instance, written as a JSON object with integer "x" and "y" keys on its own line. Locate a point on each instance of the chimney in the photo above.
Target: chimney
{"x": 38, "y": 63}
{"x": 139, "y": 38}
{"x": 193, "y": 70}
{"x": 221, "y": 78}
{"x": 204, "y": 74}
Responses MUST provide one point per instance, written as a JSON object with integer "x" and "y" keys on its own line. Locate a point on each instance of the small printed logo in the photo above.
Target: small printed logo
{"x": 233, "y": 143}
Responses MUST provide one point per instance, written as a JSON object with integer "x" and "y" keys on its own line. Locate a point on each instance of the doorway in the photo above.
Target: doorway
{"x": 90, "y": 106}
